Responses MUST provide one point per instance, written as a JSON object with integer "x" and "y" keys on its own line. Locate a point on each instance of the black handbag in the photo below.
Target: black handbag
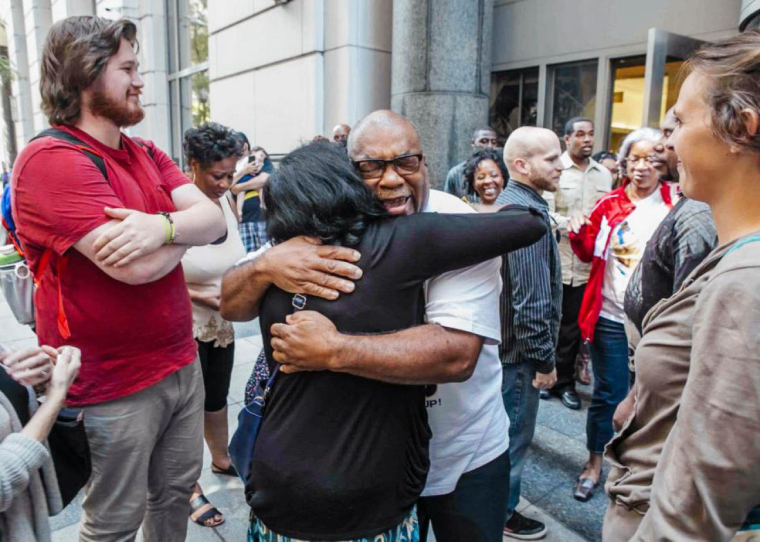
{"x": 71, "y": 453}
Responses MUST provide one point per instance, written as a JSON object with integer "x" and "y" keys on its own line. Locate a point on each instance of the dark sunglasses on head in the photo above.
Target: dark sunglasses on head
{"x": 407, "y": 164}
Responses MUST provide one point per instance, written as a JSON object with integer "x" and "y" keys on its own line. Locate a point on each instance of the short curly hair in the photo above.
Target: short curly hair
{"x": 74, "y": 56}
{"x": 211, "y": 142}
{"x": 732, "y": 69}
{"x": 472, "y": 166}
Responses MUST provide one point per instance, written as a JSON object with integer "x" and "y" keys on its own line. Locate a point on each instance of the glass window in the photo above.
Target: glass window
{"x": 627, "y": 100}
{"x": 573, "y": 93}
{"x": 514, "y": 100}
{"x": 188, "y": 67}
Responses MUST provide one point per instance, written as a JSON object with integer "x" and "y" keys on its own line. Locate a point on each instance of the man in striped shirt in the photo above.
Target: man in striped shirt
{"x": 531, "y": 304}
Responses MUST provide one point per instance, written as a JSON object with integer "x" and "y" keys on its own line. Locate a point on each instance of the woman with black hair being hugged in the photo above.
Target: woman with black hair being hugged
{"x": 341, "y": 457}
{"x": 212, "y": 151}
{"x": 485, "y": 176}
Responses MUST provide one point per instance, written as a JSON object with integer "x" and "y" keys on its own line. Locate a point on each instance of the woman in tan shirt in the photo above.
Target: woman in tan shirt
{"x": 686, "y": 465}
{"x": 212, "y": 151}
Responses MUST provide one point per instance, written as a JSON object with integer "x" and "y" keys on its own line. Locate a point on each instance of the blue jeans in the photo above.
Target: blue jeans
{"x": 474, "y": 511}
{"x": 609, "y": 361}
{"x": 521, "y": 401}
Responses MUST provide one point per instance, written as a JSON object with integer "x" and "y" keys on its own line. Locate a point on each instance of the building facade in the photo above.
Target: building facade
{"x": 284, "y": 71}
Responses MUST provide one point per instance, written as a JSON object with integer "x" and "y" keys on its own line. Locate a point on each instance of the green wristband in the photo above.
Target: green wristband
{"x": 169, "y": 227}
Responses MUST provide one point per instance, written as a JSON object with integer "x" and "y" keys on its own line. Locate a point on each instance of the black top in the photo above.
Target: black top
{"x": 339, "y": 456}
{"x": 16, "y": 394}
{"x": 679, "y": 244}
{"x": 252, "y": 206}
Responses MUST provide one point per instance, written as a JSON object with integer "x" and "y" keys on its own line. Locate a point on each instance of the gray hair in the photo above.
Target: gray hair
{"x": 653, "y": 135}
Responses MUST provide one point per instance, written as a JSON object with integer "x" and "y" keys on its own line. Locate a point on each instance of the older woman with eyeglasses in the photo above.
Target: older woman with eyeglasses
{"x": 613, "y": 239}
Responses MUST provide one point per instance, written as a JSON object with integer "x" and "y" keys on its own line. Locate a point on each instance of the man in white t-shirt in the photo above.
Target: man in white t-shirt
{"x": 468, "y": 485}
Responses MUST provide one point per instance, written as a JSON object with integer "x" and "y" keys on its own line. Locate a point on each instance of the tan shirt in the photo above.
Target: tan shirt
{"x": 578, "y": 193}
{"x": 204, "y": 267}
{"x": 688, "y": 459}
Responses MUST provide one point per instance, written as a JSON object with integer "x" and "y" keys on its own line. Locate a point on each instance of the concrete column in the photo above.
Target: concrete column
{"x": 441, "y": 73}
{"x": 357, "y": 57}
{"x": 38, "y": 18}
{"x": 20, "y": 86}
{"x": 151, "y": 31}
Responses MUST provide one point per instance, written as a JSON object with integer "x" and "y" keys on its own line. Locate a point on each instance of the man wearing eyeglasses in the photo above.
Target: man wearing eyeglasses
{"x": 467, "y": 487}
{"x": 582, "y": 183}
{"x": 482, "y": 138}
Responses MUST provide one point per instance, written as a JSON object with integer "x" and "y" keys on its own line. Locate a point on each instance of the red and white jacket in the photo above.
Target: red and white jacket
{"x": 591, "y": 244}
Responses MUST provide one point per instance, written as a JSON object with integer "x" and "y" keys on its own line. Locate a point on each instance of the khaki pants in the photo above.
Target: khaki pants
{"x": 147, "y": 454}
{"x": 620, "y": 525}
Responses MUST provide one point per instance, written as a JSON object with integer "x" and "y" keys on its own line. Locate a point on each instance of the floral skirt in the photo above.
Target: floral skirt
{"x": 406, "y": 531}
{"x": 260, "y": 373}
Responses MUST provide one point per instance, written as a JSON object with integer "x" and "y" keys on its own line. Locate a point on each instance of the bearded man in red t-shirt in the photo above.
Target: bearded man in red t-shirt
{"x": 104, "y": 220}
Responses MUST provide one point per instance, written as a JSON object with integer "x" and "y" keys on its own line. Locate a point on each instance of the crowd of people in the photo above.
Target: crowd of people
{"x": 409, "y": 334}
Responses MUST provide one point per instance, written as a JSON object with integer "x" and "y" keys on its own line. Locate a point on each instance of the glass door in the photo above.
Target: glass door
{"x": 665, "y": 55}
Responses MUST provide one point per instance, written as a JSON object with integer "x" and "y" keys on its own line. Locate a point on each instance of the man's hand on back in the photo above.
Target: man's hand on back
{"x": 308, "y": 341}
{"x": 302, "y": 266}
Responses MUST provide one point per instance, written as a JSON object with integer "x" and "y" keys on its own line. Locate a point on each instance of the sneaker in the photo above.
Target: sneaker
{"x": 521, "y": 528}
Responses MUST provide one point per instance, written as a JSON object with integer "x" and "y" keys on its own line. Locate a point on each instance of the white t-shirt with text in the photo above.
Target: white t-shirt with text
{"x": 469, "y": 423}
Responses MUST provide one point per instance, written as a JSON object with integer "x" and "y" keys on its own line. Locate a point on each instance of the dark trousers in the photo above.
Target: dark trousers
{"x": 569, "y": 341}
{"x": 216, "y": 365}
{"x": 609, "y": 360}
{"x": 475, "y": 511}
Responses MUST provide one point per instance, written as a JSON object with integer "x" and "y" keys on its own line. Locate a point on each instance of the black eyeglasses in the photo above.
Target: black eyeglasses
{"x": 407, "y": 164}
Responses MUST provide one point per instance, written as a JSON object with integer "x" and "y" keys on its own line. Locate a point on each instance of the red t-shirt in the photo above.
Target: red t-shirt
{"x": 131, "y": 336}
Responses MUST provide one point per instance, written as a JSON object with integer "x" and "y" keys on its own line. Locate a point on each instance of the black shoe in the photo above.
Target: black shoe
{"x": 521, "y": 528}
{"x": 545, "y": 394}
{"x": 570, "y": 399}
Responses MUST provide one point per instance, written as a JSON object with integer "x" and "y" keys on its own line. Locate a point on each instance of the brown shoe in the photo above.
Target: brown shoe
{"x": 583, "y": 369}
{"x": 584, "y": 489}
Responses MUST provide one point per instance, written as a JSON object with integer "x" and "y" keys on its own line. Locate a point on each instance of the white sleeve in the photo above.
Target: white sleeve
{"x": 467, "y": 300}
{"x": 253, "y": 255}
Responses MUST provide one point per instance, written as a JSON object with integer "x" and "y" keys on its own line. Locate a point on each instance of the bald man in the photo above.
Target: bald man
{"x": 531, "y": 308}
{"x": 340, "y": 133}
{"x": 467, "y": 487}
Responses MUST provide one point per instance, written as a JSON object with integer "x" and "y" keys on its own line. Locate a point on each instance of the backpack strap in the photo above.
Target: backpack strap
{"x": 91, "y": 153}
{"x": 13, "y": 238}
{"x": 63, "y": 322}
{"x": 97, "y": 159}
{"x": 144, "y": 147}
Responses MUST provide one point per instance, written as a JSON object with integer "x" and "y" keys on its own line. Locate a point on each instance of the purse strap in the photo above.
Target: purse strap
{"x": 298, "y": 303}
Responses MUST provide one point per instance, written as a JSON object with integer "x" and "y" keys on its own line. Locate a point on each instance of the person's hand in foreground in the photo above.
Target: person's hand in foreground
{"x": 577, "y": 222}
{"x": 66, "y": 369}
{"x": 545, "y": 381}
{"x": 29, "y": 367}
